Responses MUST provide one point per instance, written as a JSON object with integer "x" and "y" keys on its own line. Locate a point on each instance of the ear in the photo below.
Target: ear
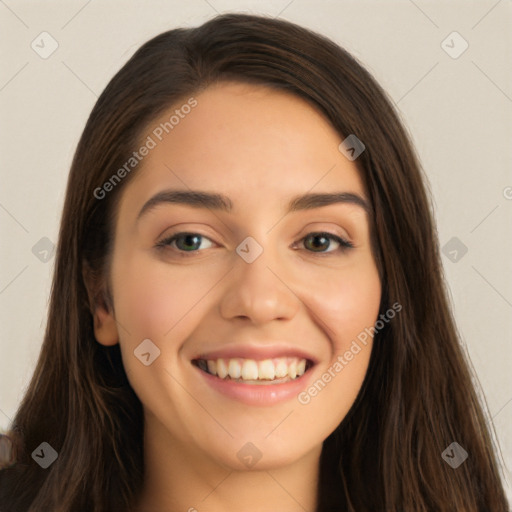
{"x": 100, "y": 305}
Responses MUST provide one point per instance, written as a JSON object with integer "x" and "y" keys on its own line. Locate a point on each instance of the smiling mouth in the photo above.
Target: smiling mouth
{"x": 250, "y": 371}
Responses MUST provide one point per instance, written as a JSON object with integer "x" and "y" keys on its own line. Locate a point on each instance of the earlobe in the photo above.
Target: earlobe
{"x": 105, "y": 327}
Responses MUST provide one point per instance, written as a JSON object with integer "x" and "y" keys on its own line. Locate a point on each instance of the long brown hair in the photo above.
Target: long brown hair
{"x": 417, "y": 397}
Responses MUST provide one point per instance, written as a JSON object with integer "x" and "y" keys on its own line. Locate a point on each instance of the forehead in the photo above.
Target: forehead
{"x": 250, "y": 142}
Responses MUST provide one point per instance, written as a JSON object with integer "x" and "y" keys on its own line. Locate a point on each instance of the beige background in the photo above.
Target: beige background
{"x": 458, "y": 110}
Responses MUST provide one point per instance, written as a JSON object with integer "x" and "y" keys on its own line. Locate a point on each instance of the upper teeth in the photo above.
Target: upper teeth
{"x": 250, "y": 369}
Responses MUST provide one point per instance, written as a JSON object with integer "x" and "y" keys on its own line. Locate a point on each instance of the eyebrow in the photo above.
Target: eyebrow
{"x": 220, "y": 202}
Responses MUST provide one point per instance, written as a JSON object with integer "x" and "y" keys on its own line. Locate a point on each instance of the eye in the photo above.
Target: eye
{"x": 316, "y": 242}
{"x": 320, "y": 240}
{"x": 184, "y": 242}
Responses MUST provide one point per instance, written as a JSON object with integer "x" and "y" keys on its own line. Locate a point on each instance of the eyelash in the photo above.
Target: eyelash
{"x": 345, "y": 245}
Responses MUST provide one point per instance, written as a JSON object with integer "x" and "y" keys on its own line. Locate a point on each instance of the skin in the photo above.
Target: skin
{"x": 260, "y": 147}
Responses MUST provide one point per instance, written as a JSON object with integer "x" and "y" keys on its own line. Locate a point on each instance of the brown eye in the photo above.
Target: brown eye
{"x": 318, "y": 242}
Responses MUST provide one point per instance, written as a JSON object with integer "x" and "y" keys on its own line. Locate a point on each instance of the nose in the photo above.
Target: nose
{"x": 259, "y": 292}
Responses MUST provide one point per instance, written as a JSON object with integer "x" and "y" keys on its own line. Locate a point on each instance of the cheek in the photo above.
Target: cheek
{"x": 347, "y": 303}
{"x": 155, "y": 301}
{"x": 143, "y": 304}
{"x": 346, "y": 308}
{"x": 151, "y": 297}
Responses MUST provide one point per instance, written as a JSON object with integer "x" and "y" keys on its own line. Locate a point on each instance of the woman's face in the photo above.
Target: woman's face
{"x": 251, "y": 290}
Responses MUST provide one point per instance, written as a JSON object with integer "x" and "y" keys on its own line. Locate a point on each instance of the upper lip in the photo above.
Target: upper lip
{"x": 256, "y": 352}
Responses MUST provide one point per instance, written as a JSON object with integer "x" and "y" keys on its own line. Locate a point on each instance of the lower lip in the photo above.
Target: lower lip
{"x": 257, "y": 394}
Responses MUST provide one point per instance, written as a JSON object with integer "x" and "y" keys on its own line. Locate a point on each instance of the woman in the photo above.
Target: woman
{"x": 258, "y": 371}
